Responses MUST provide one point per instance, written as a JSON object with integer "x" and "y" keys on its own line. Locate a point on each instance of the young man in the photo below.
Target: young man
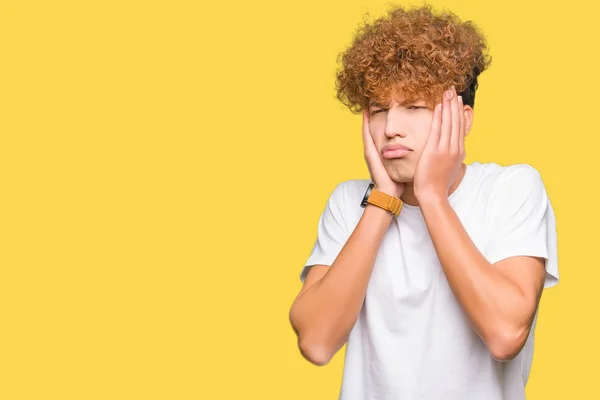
{"x": 432, "y": 270}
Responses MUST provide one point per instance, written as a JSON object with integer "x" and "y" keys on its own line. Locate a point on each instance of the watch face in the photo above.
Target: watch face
{"x": 367, "y": 194}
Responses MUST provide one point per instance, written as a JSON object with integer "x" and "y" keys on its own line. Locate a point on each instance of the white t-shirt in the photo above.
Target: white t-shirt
{"x": 411, "y": 339}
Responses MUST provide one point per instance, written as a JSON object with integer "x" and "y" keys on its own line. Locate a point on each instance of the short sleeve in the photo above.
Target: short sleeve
{"x": 523, "y": 221}
{"x": 332, "y": 232}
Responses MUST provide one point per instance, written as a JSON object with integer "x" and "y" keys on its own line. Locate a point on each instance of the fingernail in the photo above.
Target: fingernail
{"x": 460, "y": 99}
{"x": 448, "y": 95}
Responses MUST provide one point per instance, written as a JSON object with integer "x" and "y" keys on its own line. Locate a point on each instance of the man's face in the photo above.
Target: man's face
{"x": 400, "y": 123}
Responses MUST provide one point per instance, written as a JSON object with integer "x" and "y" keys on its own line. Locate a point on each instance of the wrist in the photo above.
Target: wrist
{"x": 384, "y": 198}
{"x": 394, "y": 192}
{"x": 372, "y": 211}
{"x": 430, "y": 199}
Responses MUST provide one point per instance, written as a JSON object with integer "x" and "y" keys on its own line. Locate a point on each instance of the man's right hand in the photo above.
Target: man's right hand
{"x": 378, "y": 173}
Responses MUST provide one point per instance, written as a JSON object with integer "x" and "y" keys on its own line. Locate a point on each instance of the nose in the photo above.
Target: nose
{"x": 395, "y": 125}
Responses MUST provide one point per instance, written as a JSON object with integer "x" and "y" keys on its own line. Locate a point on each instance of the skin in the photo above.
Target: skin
{"x": 408, "y": 124}
{"x": 498, "y": 300}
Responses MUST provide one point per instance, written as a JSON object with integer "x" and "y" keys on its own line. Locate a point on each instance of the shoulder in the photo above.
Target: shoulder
{"x": 513, "y": 190}
{"x": 347, "y": 195}
{"x": 349, "y": 190}
{"x": 496, "y": 173}
{"x": 520, "y": 182}
{"x": 520, "y": 174}
{"x": 508, "y": 179}
{"x": 354, "y": 189}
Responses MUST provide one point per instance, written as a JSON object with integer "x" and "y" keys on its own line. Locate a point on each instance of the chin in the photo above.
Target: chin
{"x": 403, "y": 179}
{"x": 400, "y": 174}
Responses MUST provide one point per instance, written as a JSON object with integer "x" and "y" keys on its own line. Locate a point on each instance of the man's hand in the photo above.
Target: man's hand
{"x": 378, "y": 173}
{"x": 444, "y": 152}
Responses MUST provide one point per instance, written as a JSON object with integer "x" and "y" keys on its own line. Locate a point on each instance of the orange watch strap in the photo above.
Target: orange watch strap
{"x": 385, "y": 201}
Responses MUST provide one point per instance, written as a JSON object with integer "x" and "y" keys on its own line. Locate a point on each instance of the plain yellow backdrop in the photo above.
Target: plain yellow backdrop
{"x": 163, "y": 166}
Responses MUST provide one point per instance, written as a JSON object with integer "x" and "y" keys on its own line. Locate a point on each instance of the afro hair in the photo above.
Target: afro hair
{"x": 415, "y": 52}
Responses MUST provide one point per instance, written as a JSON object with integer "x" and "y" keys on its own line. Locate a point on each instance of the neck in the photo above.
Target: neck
{"x": 408, "y": 195}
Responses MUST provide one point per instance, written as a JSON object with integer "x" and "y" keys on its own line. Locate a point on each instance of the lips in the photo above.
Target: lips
{"x": 390, "y": 151}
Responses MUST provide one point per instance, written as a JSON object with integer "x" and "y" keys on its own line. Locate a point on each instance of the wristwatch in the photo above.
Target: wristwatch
{"x": 381, "y": 200}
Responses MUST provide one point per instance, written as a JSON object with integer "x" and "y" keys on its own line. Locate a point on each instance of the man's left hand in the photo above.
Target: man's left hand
{"x": 443, "y": 155}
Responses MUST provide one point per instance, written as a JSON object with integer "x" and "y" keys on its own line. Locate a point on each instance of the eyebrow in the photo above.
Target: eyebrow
{"x": 375, "y": 104}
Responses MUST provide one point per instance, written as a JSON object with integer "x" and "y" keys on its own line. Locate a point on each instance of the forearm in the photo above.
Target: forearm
{"x": 493, "y": 304}
{"x": 324, "y": 315}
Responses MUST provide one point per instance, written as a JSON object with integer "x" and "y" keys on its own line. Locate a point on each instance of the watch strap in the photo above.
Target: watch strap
{"x": 385, "y": 201}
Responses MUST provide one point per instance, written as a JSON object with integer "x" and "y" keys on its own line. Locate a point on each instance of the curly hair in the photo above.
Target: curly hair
{"x": 415, "y": 52}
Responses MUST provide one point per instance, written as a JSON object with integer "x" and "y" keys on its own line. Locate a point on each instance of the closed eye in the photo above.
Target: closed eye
{"x": 378, "y": 111}
{"x": 409, "y": 108}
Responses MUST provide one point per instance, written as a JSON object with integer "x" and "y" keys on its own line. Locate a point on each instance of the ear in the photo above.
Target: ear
{"x": 468, "y": 112}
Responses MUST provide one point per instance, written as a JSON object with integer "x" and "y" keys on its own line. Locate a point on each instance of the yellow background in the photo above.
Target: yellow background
{"x": 164, "y": 165}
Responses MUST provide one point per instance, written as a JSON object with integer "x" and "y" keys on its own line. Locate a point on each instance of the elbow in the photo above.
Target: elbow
{"x": 506, "y": 344}
{"x": 315, "y": 352}
{"x": 314, "y": 342}
{"x": 311, "y": 346}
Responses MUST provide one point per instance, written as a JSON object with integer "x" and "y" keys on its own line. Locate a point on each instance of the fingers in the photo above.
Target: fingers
{"x": 461, "y": 139}
{"x": 366, "y": 130}
{"x": 436, "y": 127}
{"x": 446, "y": 132}
{"x": 367, "y": 138}
{"x": 370, "y": 151}
{"x": 365, "y": 133}
{"x": 456, "y": 117}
